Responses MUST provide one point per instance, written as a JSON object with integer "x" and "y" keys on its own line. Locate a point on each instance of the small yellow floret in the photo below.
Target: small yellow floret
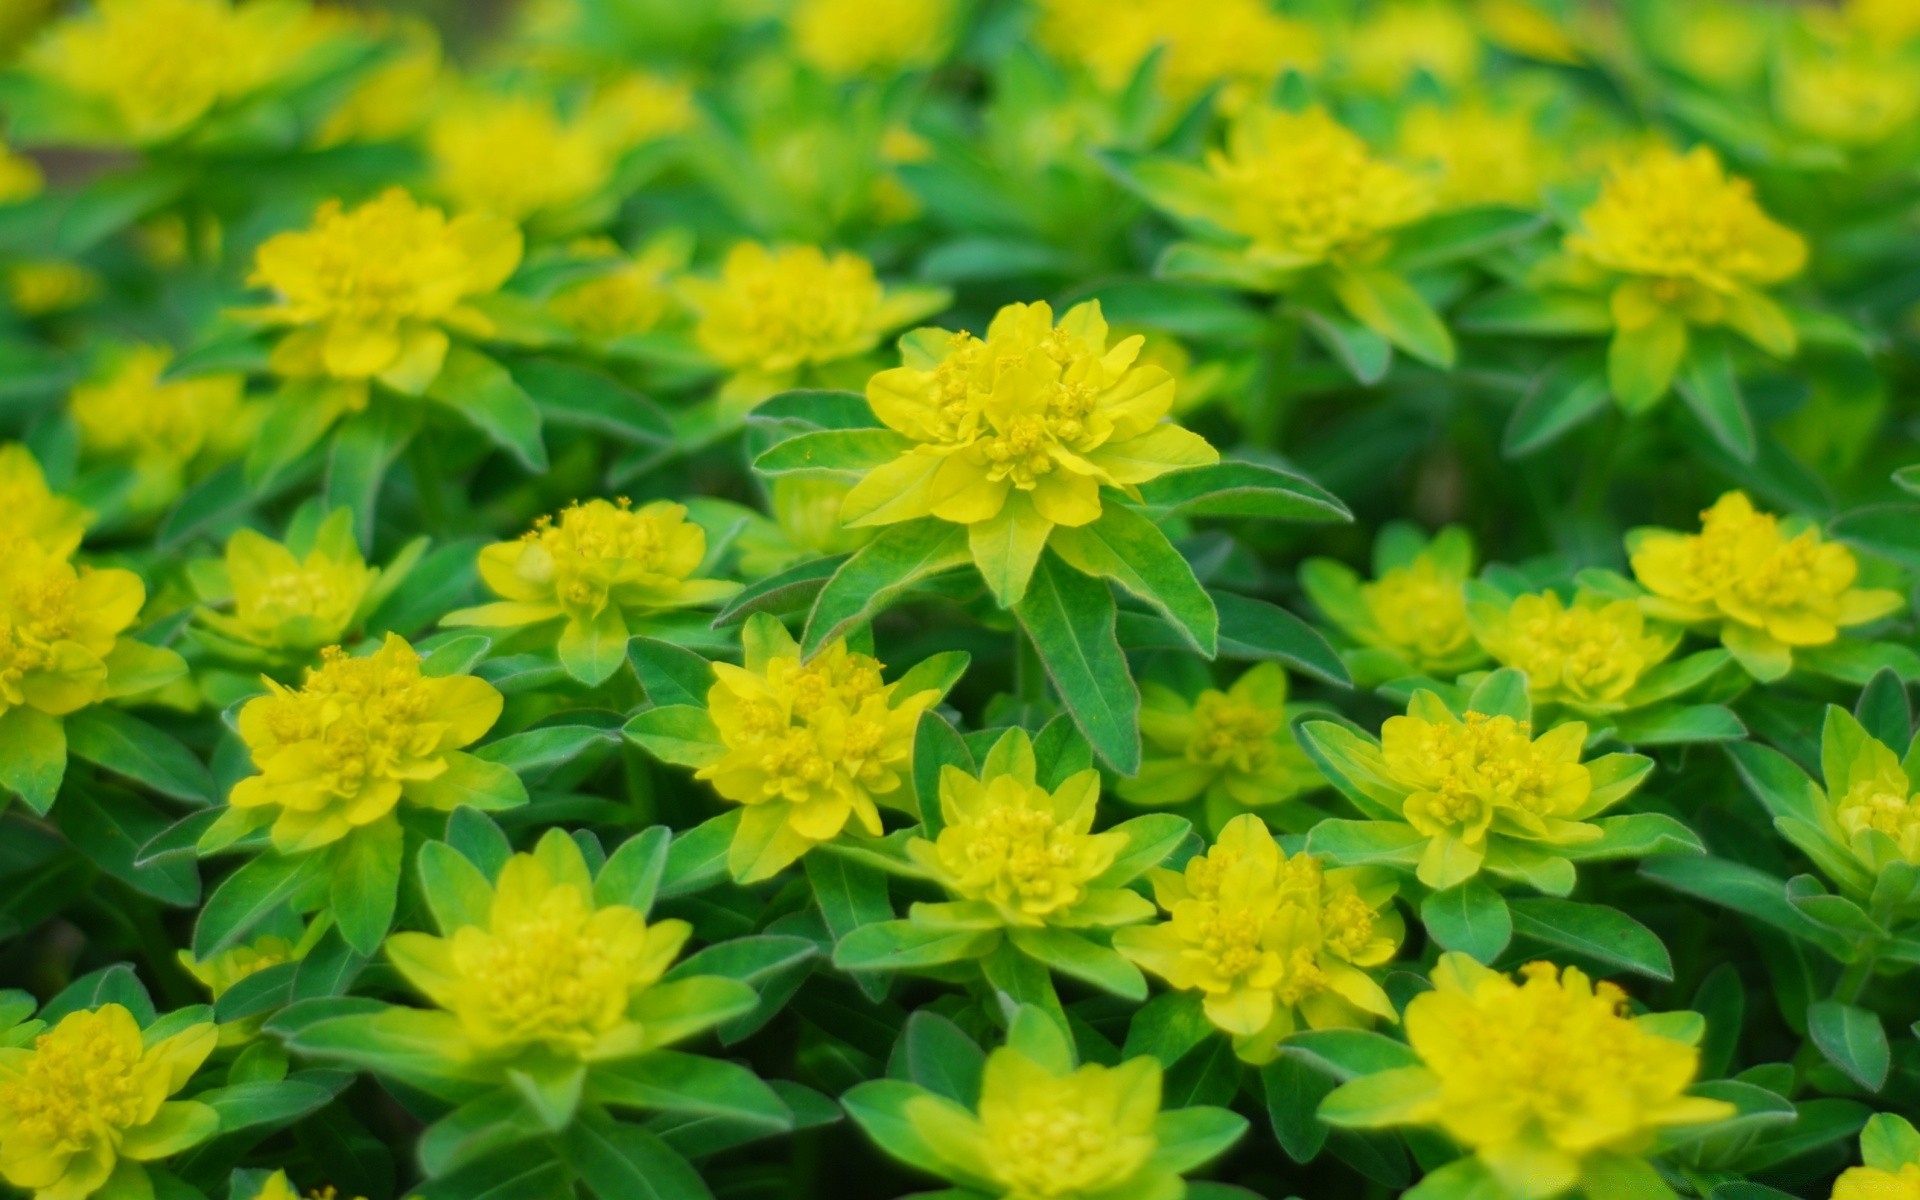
{"x": 341, "y": 751}
{"x": 515, "y": 156}
{"x": 1479, "y": 154}
{"x": 847, "y": 38}
{"x": 1233, "y": 746}
{"x": 34, "y": 511}
{"x": 1587, "y": 655}
{"x": 1400, "y": 40}
{"x": 60, "y": 628}
{"x": 89, "y": 1095}
{"x": 20, "y": 176}
{"x": 1871, "y": 1183}
{"x": 159, "y": 426}
{"x": 284, "y": 602}
{"x": 1240, "y": 46}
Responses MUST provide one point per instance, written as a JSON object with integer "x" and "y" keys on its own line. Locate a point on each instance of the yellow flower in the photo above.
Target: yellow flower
{"x": 1240, "y": 45}
{"x": 279, "y": 1187}
{"x": 635, "y": 108}
{"x": 1401, "y": 40}
{"x": 1026, "y": 855}
{"x": 1479, "y": 154}
{"x": 1540, "y": 1078}
{"x": 549, "y": 968}
{"x": 1306, "y": 190}
{"x": 1413, "y": 615}
{"x": 371, "y": 292}
{"x": 1018, "y": 432}
{"x": 1765, "y": 591}
{"x": 601, "y": 565}
{"x": 1527, "y": 28}
{"x": 61, "y": 627}
{"x": 1234, "y": 747}
{"x": 160, "y": 427}
{"x": 1848, "y": 91}
{"x": 390, "y": 101}
{"x": 515, "y": 156}
{"x": 1885, "y": 21}
{"x": 358, "y": 736}
{"x": 776, "y": 312}
{"x": 848, "y": 38}
{"x": 20, "y": 177}
{"x": 1869, "y": 793}
{"x": 34, "y": 512}
{"x": 1692, "y": 242}
{"x": 230, "y": 966}
{"x": 1590, "y": 655}
{"x": 809, "y": 746}
{"x": 1871, "y": 1183}
{"x": 89, "y": 1101}
{"x": 631, "y": 296}
{"x": 1270, "y": 941}
{"x": 40, "y": 289}
{"x": 284, "y": 602}
{"x": 1721, "y": 43}
{"x": 1052, "y": 1134}
{"x": 160, "y": 66}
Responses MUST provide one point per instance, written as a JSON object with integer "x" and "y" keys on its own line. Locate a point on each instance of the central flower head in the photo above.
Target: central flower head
{"x": 1421, "y": 608}
{"x": 601, "y": 553}
{"x": 1055, "y": 1137}
{"x": 159, "y": 425}
{"x": 159, "y": 66}
{"x": 1679, "y": 219}
{"x": 295, "y": 603}
{"x": 1768, "y": 590}
{"x": 1613, "y": 1082}
{"x": 514, "y": 155}
{"x": 809, "y": 745}
{"x": 1461, "y": 774}
{"x": 1587, "y": 655}
{"x": 59, "y": 626}
{"x": 845, "y": 38}
{"x": 35, "y": 512}
{"x": 90, "y": 1091}
{"x": 1267, "y": 939}
{"x": 1234, "y": 746}
{"x": 1872, "y": 1183}
{"x": 775, "y": 310}
{"x": 1029, "y": 852}
{"x": 20, "y": 176}
{"x": 1479, "y": 154}
{"x": 373, "y": 289}
{"x": 1242, "y": 46}
{"x": 339, "y": 752}
{"x": 549, "y": 967}
{"x": 1306, "y": 190}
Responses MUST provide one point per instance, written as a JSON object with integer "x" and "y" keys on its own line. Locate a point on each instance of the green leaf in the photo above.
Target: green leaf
{"x": 936, "y": 744}
{"x": 1293, "y": 1091}
{"x": 632, "y": 874}
{"x": 33, "y": 756}
{"x": 682, "y": 734}
{"x": 1503, "y": 693}
{"x": 850, "y": 894}
{"x": 456, "y": 892}
{"x": 773, "y": 965}
{"x": 481, "y": 391}
{"x": 1746, "y": 890}
{"x": 487, "y": 1125}
{"x": 1256, "y": 630}
{"x": 128, "y": 746}
{"x": 876, "y": 575}
{"x": 1071, "y": 621}
{"x": 1461, "y": 234}
{"x": 623, "y": 1162}
{"x": 697, "y": 857}
{"x": 1710, "y": 388}
{"x": 905, "y": 946}
{"x": 1883, "y": 709}
{"x": 938, "y": 1055}
{"x": 1350, "y": 1053}
{"x": 1470, "y": 917}
{"x": 365, "y": 871}
{"x": 250, "y": 895}
{"x": 670, "y": 674}
{"x": 1605, "y": 935}
{"x": 791, "y": 591}
{"x": 1386, "y": 303}
{"x": 1072, "y": 954}
{"x": 531, "y": 753}
{"x": 1641, "y": 362}
{"x": 582, "y": 398}
{"x": 690, "y": 1083}
{"x": 593, "y": 649}
{"x": 363, "y": 449}
{"x": 1673, "y": 724}
{"x": 1537, "y": 314}
{"x": 1132, "y": 551}
{"x": 1365, "y": 354}
{"x": 1242, "y": 489}
{"x": 832, "y": 452}
{"x": 1568, "y": 394}
{"x": 1852, "y": 1039}
{"x": 112, "y": 829}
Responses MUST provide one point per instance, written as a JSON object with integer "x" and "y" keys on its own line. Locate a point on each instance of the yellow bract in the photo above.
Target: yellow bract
{"x": 845, "y": 38}
{"x": 1401, "y": 40}
{"x": 1875, "y": 794}
{"x": 230, "y": 966}
{"x": 1234, "y": 747}
{"x": 806, "y": 525}
{"x": 1692, "y": 240}
{"x": 1270, "y": 941}
{"x": 1538, "y": 1074}
{"x": 35, "y": 512}
{"x": 1467, "y": 777}
{"x": 550, "y": 967}
{"x": 20, "y": 177}
{"x": 160, "y": 426}
{"x": 1029, "y": 853}
{"x": 630, "y": 297}
{"x": 1871, "y": 1183}
{"x": 1239, "y": 45}
{"x": 89, "y": 1095}
{"x": 372, "y": 291}
{"x": 1420, "y": 612}
{"x": 1046, "y": 1135}
{"x": 338, "y": 753}
{"x": 1306, "y": 190}
{"x": 391, "y": 100}
{"x": 515, "y": 156}
{"x": 1766, "y": 591}
{"x": 1017, "y": 433}
{"x": 1588, "y": 655}
{"x": 1480, "y": 154}
{"x": 809, "y": 746}
{"x": 42, "y": 288}
{"x": 282, "y": 602}
{"x": 1852, "y": 93}
{"x": 597, "y": 555}
{"x": 1891, "y": 21}
{"x": 60, "y": 629}
{"x": 160, "y": 66}
{"x": 776, "y": 311}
